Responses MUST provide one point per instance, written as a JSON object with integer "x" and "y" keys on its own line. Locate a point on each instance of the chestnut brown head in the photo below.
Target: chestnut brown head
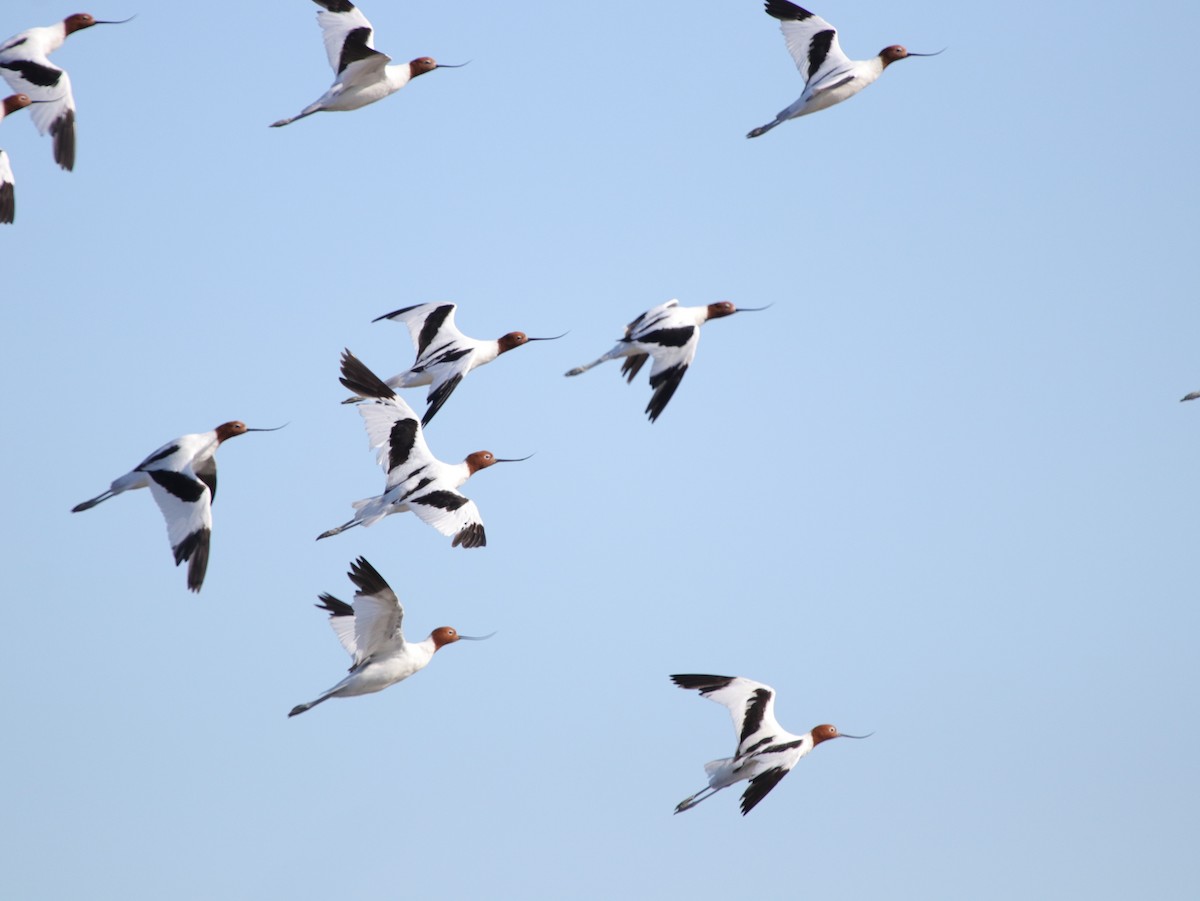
{"x": 483, "y": 459}
{"x": 227, "y": 430}
{"x": 895, "y": 52}
{"x": 80, "y": 21}
{"x": 15, "y": 102}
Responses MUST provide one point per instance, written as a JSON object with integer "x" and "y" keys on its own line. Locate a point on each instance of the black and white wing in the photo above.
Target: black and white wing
{"x": 673, "y": 348}
{"x": 813, "y": 44}
{"x": 51, "y": 87}
{"x": 341, "y": 620}
{"x": 750, "y": 704}
{"x": 452, "y": 514}
{"x": 378, "y": 614}
{"x": 349, "y": 37}
{"x": 760, "y": 786}
{"x": 185, "y": 503}
{"x": 441, "y": 349}
{"x": 393, "y": 429}
{"x": 8, "y": 200}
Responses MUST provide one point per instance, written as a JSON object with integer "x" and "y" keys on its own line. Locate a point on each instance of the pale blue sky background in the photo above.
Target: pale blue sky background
{"x": 942, "y": 489}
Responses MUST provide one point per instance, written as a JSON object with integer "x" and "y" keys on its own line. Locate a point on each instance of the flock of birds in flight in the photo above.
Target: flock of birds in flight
{"x": 182, "y": 474}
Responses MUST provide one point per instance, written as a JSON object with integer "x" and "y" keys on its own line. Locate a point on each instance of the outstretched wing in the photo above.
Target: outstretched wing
{"x": 451, "y": 513}
{"x": 55, "y": 110}
{"x": 349, "y": 37}
{"x": 432, "y": 329}
{"x": 341, "y": 620}
{"x": 812, "y": 42}
{"x": 377, "y": 614}
{"x": 392, "y": 427}
{"x": 760, "y": 786}
{"x": 750, "y": 704}
{"x": 673, "y": 349}
{"x": 185, "y": 503}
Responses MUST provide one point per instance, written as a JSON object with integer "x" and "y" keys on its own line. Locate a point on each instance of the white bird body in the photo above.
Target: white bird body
{"x": 362, "y": 74}
{"x": 766, "y": 752}
{"x": 182, "y": 477}
{"x": 25, "y": 65}
{"x": 417, "y": 481}
{"x": 830, "y": 75}
{"x": 670, "y": 334}
{"x": 444, "y": 354}
{"x": 370, "y": 631}
{"x": 8, "y": 202}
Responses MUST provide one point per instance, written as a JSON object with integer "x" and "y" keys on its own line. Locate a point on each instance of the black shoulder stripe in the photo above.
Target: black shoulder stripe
{"x": 668, "y": 337}
{"x": 446, "y": 500}
{"x": 818, "y": 49}
{"x": 786, "y": 746}
{"x": 400, "y": 442}
{"x": 336, "y": 6}
{"x": 354, "y": 48}
{"x": 185, "y": 488}
{"x": 161, "y": 455}
{"x": 756, "y": 709}
{"x": 34, "y": 73}
{"x": 433, "y": 323}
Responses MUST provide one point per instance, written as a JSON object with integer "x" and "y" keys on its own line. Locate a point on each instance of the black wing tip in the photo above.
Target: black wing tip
{"x": 361, "y": 380}
{"x": 62, "y": 130}
{"x": 699, "y": 682}
{"x": 760, "y": 787}
{"x": 439, "y": 397}
{"x": 367, "y": 577}
{"x": 782, "y": 9}
{"x": 335, "y": 6}
{"x": 333, "y": 606}
{"x": 403, "y": 310}
{"x": 470, "y": 536}
{"x": 194, "y": 549}
{"x": 8, "y": 203}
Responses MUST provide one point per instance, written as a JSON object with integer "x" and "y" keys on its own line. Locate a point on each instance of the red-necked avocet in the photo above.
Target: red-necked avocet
{"x": 830, "y": 76}
{"x": 669, "y": 333}
{"x": 362, "y": 74}
{"x": 416, "y": 480}
{"x": 370, "y": 631}
{"x": 182, "y": 477}
{"x": 25, "y": 65}
{"x": 444, "y": 354}
{"x": 765, "y": 751}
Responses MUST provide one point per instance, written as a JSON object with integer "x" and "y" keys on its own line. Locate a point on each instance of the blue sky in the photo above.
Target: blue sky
{"x": 942, "y": 489}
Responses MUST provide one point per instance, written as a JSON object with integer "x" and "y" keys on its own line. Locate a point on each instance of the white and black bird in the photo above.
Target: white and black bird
{"x": 444, "y": 354}
{"x": 670, "y": 334}
{"x": 765, "y": 751}
{"x": 362, "y": 75}
{"x": 829, "y": 75}
{"x": 8, "y": 200}
{"x": 416, "y": 480}
{"x": 182, "y": 477}
{"x": 370, "y": 631}
{"x": 25, "y": 65}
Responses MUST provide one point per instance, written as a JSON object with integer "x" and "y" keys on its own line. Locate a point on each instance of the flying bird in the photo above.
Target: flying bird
{"x": 370, "y": 632}
{"x": 1192, "y": 396}
{"x": 25, "y": 65}
{"x": 416, "y": 480}
{"x": 669, "y": 333}
{"x": 830, "y": 76}
{"x": 8, "y": 202}
{"x": 765, "y": 751}
{"x": 362, "y": 74}
{"x": 444, "y": 354}
{"x": 182, "y": 477}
